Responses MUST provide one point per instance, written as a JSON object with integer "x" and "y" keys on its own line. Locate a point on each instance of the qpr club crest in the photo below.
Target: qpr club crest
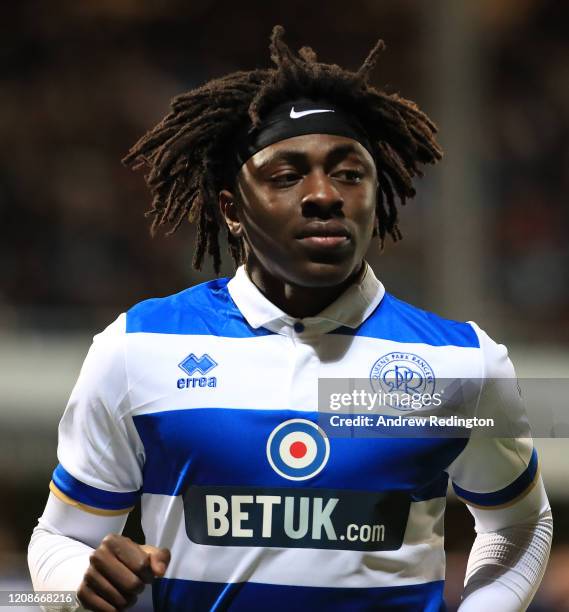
{"x": 298, "y": 449}
{"x": 403, "y": 374}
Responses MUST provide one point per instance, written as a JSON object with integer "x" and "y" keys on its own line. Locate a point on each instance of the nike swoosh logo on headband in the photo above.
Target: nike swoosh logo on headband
{"x": 297, "y": 114}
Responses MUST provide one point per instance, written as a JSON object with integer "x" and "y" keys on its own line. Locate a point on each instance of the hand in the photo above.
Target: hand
{"x": 118, "y": 571}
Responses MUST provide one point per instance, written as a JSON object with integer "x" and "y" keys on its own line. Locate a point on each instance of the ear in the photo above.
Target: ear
{"x": 228, "y": 209}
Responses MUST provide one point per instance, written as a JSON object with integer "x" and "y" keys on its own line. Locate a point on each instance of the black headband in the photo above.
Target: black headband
{"x": 297, "y": 118}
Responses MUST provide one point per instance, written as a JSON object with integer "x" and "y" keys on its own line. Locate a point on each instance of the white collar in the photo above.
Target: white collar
{"x": 351, "y": 309}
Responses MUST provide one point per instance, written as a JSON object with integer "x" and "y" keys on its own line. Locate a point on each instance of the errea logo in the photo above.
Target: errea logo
{"x": 192, "y": 364}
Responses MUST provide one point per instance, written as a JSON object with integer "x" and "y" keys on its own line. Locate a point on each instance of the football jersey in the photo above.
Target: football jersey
{"x": 204, "y": 406}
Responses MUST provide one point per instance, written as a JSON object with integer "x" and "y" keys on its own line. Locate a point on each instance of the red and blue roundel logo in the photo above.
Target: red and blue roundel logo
{"x": 298, "y": 449}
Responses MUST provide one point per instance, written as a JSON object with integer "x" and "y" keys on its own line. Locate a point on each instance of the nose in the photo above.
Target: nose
{"x": 321, "y": 197}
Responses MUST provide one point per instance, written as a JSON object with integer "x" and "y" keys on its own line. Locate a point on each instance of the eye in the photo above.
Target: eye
{"x": 285, "y": 179}
{"x": 349, "y": 176}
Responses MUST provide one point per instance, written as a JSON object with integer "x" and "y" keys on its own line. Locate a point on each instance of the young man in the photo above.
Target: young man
{"x": 204, "y": 404}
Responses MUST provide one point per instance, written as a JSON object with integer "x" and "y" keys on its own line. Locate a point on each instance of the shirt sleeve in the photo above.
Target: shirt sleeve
{"x": 499, "y": 466}
{"x": 99, "y": 451}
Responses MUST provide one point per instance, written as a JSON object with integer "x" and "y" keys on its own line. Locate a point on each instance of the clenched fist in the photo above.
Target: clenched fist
{"x": 117, "y": 573}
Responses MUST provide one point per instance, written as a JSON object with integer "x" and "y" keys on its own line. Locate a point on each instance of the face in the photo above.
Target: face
{"x": 305, "y": 207}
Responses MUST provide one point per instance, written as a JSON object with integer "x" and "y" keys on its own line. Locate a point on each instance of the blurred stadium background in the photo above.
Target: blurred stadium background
{"x": 486, "y": 239}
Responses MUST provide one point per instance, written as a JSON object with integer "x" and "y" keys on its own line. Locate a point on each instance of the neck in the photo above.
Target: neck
{"x": 297, "y": 301}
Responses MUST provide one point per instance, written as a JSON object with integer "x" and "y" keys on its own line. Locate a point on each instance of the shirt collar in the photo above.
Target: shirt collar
{"x": 351, "y": 309}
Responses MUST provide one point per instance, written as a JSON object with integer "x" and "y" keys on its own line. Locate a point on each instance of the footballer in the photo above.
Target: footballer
{"x": 203, "y": 405}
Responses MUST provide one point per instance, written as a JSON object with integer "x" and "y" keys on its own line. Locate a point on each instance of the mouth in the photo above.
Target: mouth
{"x": 324, "y": 235}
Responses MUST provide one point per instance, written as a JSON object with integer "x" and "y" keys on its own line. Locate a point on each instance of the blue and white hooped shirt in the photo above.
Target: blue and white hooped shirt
{"x": 203, "y": 405}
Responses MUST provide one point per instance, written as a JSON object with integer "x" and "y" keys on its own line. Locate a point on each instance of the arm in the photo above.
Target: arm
{"x": 63, "y": 541}
{"x": 95, "y": 485}
{"x": 73, "y": 550}
{"x": 498, "y": 478}
{"x": 510, "y": 553}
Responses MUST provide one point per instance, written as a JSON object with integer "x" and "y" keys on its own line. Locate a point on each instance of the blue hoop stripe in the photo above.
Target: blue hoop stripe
{"x": 91, "y": 496}
{"x": 505, "y": 495}
{"x": 177, "y": 595}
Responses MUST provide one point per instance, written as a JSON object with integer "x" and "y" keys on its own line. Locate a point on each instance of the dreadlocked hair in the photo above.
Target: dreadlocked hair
{"x": 186, "y": 154}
